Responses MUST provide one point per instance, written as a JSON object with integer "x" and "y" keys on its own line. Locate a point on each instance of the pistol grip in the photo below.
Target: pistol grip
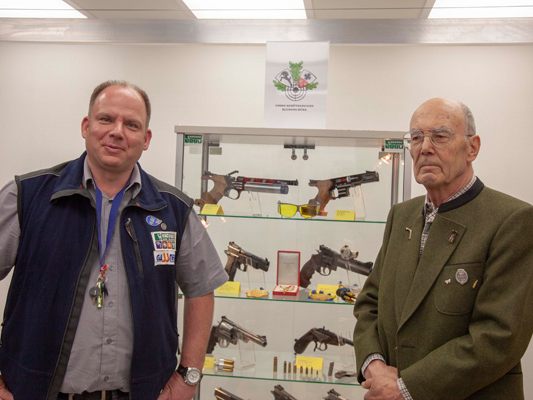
{"x": 211, "y": 197}
{"x": 305, "y": 276}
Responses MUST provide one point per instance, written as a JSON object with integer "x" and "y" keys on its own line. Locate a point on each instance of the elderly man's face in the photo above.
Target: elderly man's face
{"x": 442, "y": 168}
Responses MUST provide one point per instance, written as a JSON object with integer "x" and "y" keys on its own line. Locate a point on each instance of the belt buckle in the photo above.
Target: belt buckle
{"x": 102, "y": 395}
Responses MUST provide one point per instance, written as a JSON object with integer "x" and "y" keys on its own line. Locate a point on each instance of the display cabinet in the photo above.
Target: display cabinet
{"x": 294, "y": 167}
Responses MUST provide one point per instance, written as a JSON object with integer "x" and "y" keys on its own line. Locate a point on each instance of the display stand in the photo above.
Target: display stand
{"x": 246, "y": 357}
{"x": 253, "y": 221}
{"x": 256, "y": 279}
{"x": 288, "y": 276}
{"x": 359, "y": 203}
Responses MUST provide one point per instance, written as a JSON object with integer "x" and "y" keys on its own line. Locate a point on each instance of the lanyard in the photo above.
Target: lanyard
{"x": 113, "y": 214}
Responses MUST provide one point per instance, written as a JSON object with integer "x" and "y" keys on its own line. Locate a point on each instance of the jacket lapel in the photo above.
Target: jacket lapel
{"x": 444, "y": 237}
{"x": 407, "y": 259}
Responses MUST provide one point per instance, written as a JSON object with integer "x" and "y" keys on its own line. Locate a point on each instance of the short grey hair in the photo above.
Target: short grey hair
{"x": 104, "y": 85}
{"x": 470, "y": 123}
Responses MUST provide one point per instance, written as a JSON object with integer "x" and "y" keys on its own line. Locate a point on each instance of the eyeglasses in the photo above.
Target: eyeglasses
{"x": 306, "y": 210}
{"x": 439, "y": 137}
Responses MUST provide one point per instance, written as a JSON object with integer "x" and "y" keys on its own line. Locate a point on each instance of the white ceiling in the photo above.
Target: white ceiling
{"x": 335, "y": 21}
{"x": 316, "y": 9}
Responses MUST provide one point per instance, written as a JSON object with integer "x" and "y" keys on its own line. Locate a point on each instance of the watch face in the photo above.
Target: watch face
{"x": 193, "y": 376}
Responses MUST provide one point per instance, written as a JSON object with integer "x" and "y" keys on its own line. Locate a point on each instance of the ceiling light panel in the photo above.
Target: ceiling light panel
{"x": 482, "y": 9}
{"x": 37, "y": 9}
{"x": 247, "y": 9}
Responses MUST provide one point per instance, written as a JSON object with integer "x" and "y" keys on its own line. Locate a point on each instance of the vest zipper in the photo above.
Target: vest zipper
{"x": 53, "y": 388}
{"x": 137, "y": 250}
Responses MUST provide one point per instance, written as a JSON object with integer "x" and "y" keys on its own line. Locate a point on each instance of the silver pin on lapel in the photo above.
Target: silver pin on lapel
{"x": 452, "y": 237}
{"x": 410, "y": 232}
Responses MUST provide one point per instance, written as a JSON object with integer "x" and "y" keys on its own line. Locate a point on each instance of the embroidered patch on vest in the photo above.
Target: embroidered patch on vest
{"x": 164, "y": 257}
{"x": 164, "y": 240}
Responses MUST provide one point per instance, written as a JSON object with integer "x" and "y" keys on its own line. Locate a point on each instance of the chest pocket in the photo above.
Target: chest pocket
{"x": 457, "y": 288}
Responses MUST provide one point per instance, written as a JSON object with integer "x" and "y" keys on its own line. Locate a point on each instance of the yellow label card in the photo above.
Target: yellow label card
{"x": 209, "y": 362}
{"x": 310, "y": 362}
{"x": 328, "y": 289}
{"x": 345, "y": 215}
{"x": 212, "y": 209}
{"x": 230, "y": 288}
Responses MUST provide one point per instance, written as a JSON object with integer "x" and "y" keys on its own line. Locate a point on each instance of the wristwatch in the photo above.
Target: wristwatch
{"x": 191, "y": 376}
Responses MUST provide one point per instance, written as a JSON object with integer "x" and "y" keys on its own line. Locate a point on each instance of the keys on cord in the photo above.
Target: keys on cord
{"x": 99, "y": 291}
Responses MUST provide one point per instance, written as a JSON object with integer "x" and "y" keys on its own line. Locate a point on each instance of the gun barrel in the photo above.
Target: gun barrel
{"x": 222, "y": 394}
{"x": 289, "y": 182}
{"x": 333, "y": 338}
{"x": 357, "y": 179}
{"x": 363, "y": 268}
{"x": 257, "y": 262}
{"x": 334, "y": 395}
{"x": 322, "y": 338}
{"x": 246, "y": 258}
{"x": 279, "y": 188}
{"x": 238, "y": 332}
{"x": 359, "y": 267}
{"x": 281, "y": 394}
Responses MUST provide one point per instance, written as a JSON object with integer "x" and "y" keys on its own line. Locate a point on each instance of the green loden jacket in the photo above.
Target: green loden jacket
{"x": 457, "y": 320}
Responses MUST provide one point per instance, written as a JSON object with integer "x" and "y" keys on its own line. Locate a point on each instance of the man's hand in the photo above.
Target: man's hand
{"x": 381, "y": 382}
{"x": 4, "y": 393}
{"x": 175, "y": 389}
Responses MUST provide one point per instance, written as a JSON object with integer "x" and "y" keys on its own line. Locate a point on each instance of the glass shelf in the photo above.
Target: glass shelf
{"x": 302, "y": 297}
{"x": 317, "y": 219}
{"x": 352, "y": 381}
{"x": 263, "y": 370}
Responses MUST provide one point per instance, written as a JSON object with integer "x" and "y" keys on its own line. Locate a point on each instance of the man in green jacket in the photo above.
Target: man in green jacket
{"x": 447, "y": 312}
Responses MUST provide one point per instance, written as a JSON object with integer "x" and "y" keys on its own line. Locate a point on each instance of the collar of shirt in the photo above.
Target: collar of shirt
{"x": 430, "y": 211}
{"x": 134, "y": 184}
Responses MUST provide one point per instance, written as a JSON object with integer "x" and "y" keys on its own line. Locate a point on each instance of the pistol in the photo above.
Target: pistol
{"x": 241, "y": 259}
{"x": 334, "y": 395}
{"x": 223, "y": 394}
{"x": 322, "y": 338}
{"x": 231, "y": 187}
{"x": 335, "y": 188}
{"x": 227, "y": 332}
{"x": 281, "y": 394}
{"x": 327, "y": 260}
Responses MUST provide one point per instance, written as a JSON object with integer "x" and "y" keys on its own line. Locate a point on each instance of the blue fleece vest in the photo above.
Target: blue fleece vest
{"x": 58, "y": 243}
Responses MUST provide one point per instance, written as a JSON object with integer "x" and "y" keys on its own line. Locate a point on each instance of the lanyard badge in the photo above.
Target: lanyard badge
{"x": 99, "y": 290}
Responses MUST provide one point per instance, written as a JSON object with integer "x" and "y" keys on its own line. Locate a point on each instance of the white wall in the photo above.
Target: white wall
{"x": 44, "y": 90}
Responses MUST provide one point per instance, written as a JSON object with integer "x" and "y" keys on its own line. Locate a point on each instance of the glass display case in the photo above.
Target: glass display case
{"x": 294, "y": 191}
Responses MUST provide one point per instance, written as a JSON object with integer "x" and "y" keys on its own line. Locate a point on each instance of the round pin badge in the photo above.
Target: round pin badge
{"x": 163, "y": 226}
{"x": 152, "y": 221}
{"x": 461, "y": 276}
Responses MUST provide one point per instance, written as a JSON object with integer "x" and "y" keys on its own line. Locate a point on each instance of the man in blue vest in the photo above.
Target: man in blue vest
{"x": 446, "y": 312}
{"x": 98, "y": 248}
